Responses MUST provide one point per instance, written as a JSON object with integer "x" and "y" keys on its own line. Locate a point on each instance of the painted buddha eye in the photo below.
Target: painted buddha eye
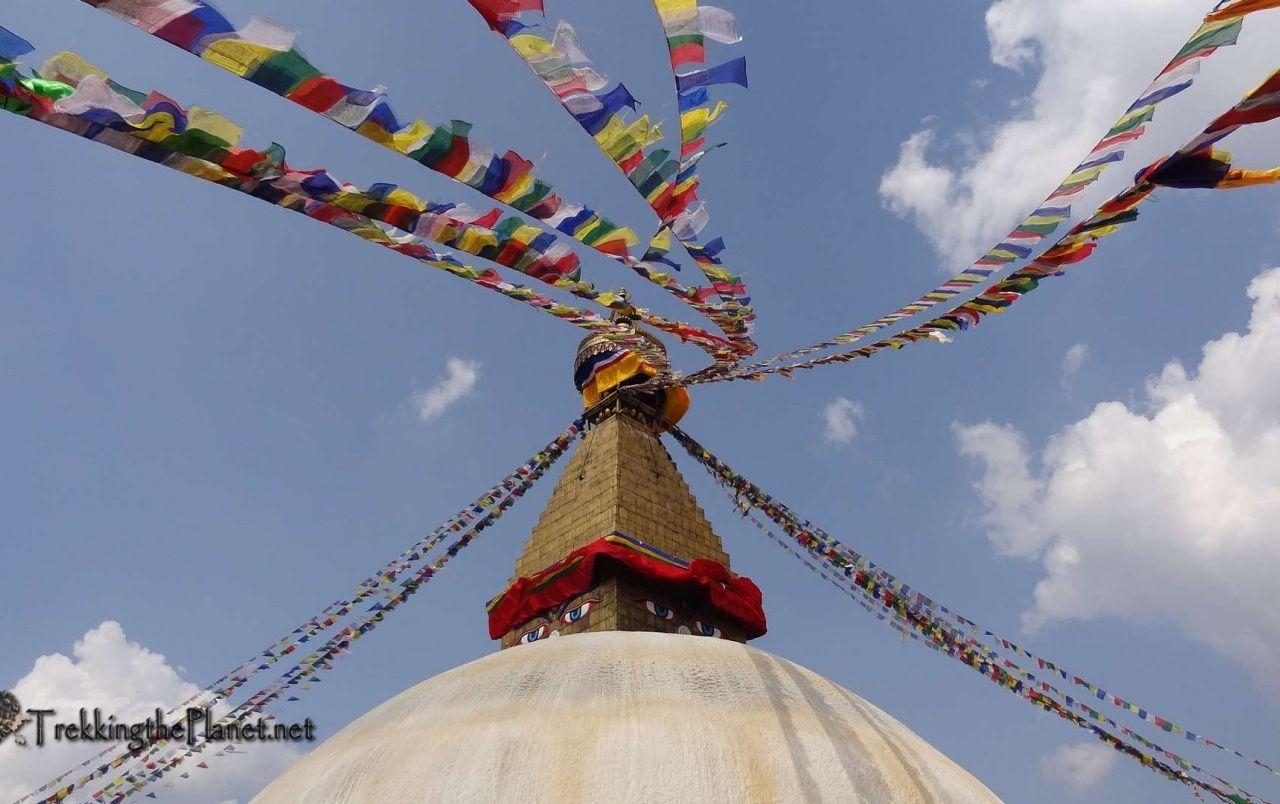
{"x": 703, "y": 629}
{"x": 534, "y": 635}
{"x": 658, "y": 610}
{"x": 573, "y": 615}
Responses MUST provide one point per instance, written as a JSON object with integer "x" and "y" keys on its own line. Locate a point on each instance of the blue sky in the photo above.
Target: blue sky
{"x": 210, "y": 422}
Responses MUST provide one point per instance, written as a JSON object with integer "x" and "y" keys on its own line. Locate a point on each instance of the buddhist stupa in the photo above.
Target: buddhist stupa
{"x": 624, "y": 673}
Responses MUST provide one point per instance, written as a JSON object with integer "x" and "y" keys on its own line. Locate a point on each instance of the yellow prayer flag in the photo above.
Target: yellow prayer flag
{"x": 157, "y": 127}
{"x": 533, "y": 47}
{"x": 1098, "y": 234}
{"x": 1036, "y": 220}
{"x": 661, "y": 240}
{"x": 70, "y": 68}
{"x": 525, "y": 233}
{"x": 676, "y": 12}
{"x": 214, "y": 124}
{"x": 371, "y": 130}
{"x": 237, "y": 56}
{"x": 716, "y": 272}
{"x": 684, "y": 186}
{"x": 411, "y": 136}
{"x": 402, "y": 197}
{"x": 474, "y": 239}
{"x": 696, "y": 121}
{"x": 521, "y": 187}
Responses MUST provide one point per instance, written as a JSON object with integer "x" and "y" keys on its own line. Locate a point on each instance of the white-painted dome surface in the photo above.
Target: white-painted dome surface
{"x": 626, "y": 717}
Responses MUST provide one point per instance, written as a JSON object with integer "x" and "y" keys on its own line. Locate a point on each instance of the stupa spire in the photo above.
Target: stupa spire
{"x": 622, "y": 544}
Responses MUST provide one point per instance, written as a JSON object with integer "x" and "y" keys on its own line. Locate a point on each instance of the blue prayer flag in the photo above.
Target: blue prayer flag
{"x": 12, "y": 46}
{"x": 731, "y": 72}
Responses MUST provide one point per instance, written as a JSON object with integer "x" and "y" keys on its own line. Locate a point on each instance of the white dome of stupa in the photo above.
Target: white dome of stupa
{"x": 626, "y": 717}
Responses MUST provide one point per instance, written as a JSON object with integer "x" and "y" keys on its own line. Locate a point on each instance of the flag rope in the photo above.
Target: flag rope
{"x": 1176, "y": 77}
{"x": 924, "y": 615}
{"x": 474, "y": 518}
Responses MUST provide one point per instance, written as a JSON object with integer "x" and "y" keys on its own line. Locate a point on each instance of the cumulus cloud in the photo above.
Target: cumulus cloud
{"x": 841, "y": 418}
{"x": 1081, "y": 766}
{"x": 129, "y": 681}
{"x": 1086, "y": 75}
{"x": 1160, "y": 512}
{"x": 459, "y": 380}
{"x": 1007, "y": 486}
{"x": 1073, "y": 361}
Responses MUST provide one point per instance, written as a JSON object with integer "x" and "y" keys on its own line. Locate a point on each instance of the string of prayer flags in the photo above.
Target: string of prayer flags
{"x": 1196, "y": 165}
{"x": 508, "y": 242}
{"x": 662, "y": 180}
{"x": 910, "y": 626}
{"x": 687, "y": 26}
{"x": 340, "y": 643}
{"x": 298, "y": 679}
{"x": 888, "y": 607}
{"x": 264, "y": 54}
{"x": 920, "y": 614}
{"x": 397, "y": 566}
{"x": 1076, "y": 246}
{"x": 1191, "y": 166}
{"x": 1176, "y": 77}
{"x": 163, "y": 132}
{"x": 1037, "y": 692}
{"x": 563, "y": 67}
{"x": 700, "y": 299}
{"x": 475, "y": 517}
{"x": 868, "y": 576}
{"x": 326, "y": 618}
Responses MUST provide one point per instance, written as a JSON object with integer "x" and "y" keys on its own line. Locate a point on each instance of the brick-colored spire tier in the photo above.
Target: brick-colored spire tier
{"x": 622, "y": 480}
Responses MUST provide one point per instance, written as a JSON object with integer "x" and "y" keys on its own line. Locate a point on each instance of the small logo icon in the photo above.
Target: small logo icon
{"x": 12, "y": 718}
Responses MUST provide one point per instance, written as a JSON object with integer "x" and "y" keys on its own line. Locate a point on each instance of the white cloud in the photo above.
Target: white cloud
{"x": 1013, "y": 528}
{"x": 458, "y": 381}
{"x": 1073, "y": 361}
{"x": 1081, "y": 766}
{"x": 1086, "y": 75}
{"x": 841, "y": 418}
{"x": 1161, "y": 513}
{"x": 124, "y": 679}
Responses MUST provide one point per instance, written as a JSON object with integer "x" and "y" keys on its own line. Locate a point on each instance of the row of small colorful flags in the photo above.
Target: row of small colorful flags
{"x": 1221, "y": 29}
{"x": 1195, "y": 165}
{"x": 1035, "y": 693}
{"x": 264, "y": 53}
{"x": 84, "y": 101}
{"x": 396, "y": 581}
{"x": 930, "y": 623}
{"x": 669, "y": 184}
